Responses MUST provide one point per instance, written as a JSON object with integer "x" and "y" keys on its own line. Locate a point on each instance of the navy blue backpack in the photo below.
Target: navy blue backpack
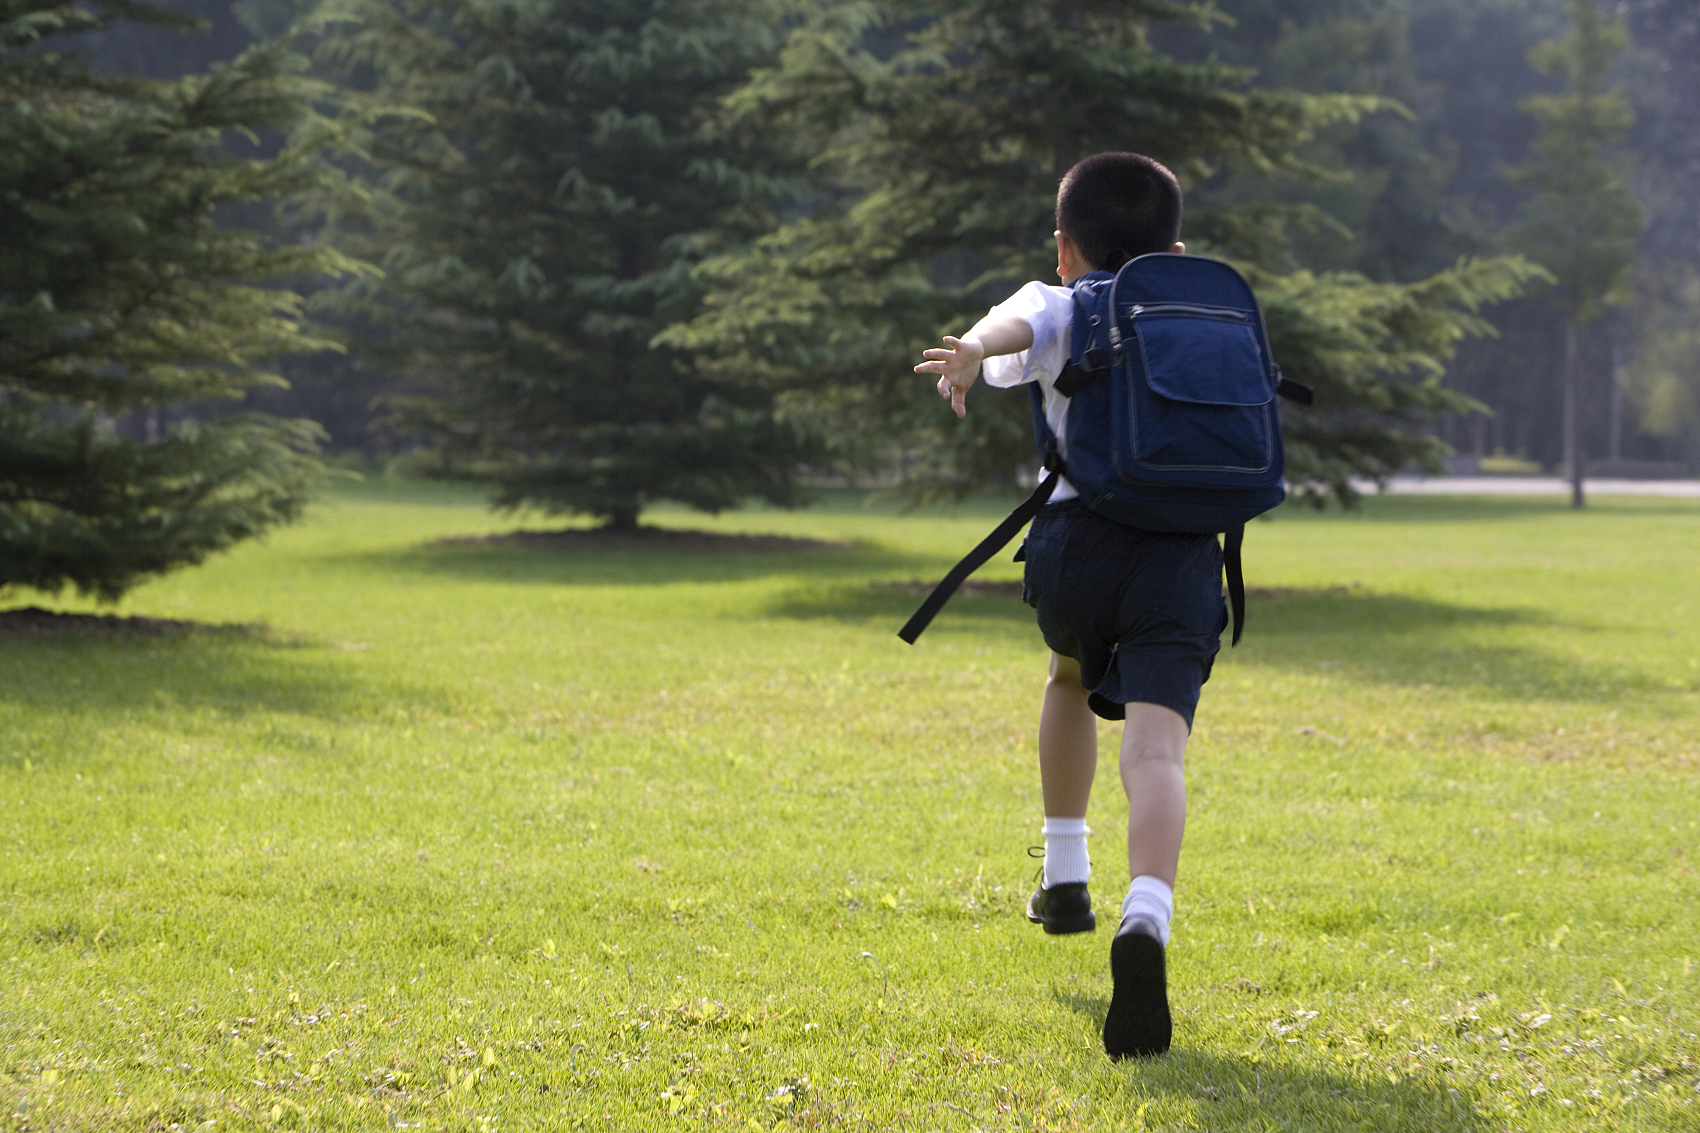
{"x": 1171, "y": 423}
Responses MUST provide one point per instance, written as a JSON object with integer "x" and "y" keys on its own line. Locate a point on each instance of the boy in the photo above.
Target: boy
{"x": 1133, "y": 618}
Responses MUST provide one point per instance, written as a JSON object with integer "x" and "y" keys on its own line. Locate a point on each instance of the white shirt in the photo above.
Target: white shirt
{"x": 1049, "y": 310}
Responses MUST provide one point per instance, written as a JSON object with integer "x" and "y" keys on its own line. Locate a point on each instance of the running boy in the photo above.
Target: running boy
{"x": 1133, "y": 618}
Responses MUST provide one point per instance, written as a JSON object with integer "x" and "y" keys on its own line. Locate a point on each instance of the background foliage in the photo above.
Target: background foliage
{"x": 942, "y": 147}
{"x": 1426, "y": 189}
{"x": 687, "y": 249}
{"x": 537, "y": 184}
{"x": 129, "y": 291}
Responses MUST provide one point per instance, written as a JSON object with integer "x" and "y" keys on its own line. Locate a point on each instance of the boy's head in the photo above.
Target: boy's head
{"x": 1115, "y": 206}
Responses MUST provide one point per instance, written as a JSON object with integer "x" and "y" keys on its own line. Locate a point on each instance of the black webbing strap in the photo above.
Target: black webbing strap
{"x": 1072, "y": 379}
{"x": 1293, "y": 391}
{"x": 1231, "y": 544}
{"x": 976, "y": 558}
{"x": 1077, "y": 376}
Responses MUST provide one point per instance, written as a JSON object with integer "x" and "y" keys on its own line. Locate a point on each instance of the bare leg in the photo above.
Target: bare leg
{"x": 1152, "y": 761}
{"x": 1138, "y": 1022}
{"x": 1068, "y": 742}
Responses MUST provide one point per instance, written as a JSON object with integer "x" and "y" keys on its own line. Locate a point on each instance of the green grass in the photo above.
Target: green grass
{"x": 474, "y": 838}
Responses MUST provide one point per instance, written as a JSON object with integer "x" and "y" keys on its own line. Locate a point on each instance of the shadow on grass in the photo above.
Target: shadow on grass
{"x": 1353, "y": 633}
{"x": 1357, "y": 634}
{"x": 1348, "y": 610}
{"x": 232, "y": 675}
{"x": 858, "y": 600}
{"x": 1400, "y": 639}
{"x": 1258, "y": 1089}
{"x": 497, "y": 562}
{"x": 1257, "y": 1092}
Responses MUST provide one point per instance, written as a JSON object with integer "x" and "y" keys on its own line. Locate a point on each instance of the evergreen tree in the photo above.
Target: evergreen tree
{"x": 127, "y": 313}
{"x": 1392, "y": 217}
{"x": 942, "y": 129}
{"x": 547, "y": 180}
{"x": 1582, "y": 220}
{"x": 1664, "y": 369}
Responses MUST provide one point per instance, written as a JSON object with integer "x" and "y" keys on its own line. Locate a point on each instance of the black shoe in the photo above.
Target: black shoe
{"x": 1062, "y": 908}
{"x": 1138, "y": 1024}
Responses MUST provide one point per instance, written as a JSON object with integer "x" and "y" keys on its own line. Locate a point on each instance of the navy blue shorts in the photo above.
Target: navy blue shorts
{"x": 1141, "y": 611}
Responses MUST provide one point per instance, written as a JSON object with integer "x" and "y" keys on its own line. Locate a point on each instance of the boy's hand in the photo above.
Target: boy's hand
{"x": 958, "y": 364}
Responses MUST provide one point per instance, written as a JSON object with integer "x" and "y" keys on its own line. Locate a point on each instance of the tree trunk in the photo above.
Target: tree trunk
{"x": 1616, "y": 451}
{"x": 1572, "y": 412}
{"x": 624, "y": 519}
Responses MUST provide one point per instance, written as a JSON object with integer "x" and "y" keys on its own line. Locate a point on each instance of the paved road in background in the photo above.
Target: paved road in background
{"x": 1532, "y": 486}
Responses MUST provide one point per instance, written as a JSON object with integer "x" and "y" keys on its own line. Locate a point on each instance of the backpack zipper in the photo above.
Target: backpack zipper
{"x": 1226, "y": 314}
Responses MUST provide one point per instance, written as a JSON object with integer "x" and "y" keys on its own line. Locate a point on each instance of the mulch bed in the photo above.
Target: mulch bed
{"x": 34, "y": 622}
{"x": 667, "y": 540}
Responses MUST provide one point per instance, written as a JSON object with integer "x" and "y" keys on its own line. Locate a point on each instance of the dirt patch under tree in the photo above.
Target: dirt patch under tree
{"x": 32, "y": 622}
{"x": 667, "y": 540}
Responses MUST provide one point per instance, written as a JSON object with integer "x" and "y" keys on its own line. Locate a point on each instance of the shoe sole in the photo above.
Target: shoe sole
{"x": 1062, "y": 926}
{"x": 1138, "y": 1024}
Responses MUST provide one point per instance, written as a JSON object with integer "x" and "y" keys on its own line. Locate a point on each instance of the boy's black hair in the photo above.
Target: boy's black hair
{"x": 1116, "y": 206}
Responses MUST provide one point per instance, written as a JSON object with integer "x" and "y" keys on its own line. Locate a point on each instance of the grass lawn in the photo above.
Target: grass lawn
{"x": 477, "y": 837}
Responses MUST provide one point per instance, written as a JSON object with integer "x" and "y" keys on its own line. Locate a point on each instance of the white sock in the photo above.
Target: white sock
{"x": 1065, "y": 851}
{"x": 1151, "y": 898}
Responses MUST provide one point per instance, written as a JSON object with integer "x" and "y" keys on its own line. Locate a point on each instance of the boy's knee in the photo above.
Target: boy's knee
{"x": 1064, "y": 671}
{"x": 1153, "y": 734}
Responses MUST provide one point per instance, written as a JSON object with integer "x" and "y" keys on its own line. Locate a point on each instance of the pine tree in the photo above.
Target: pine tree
{"x": 547, "y": 179}
{"x": 941, "y": 130}
{"x": 1582, "y": 221}
{"x": 1664, "y": 368}
{"x": 130, "y": 317}
{"x": 1393, "y": 217}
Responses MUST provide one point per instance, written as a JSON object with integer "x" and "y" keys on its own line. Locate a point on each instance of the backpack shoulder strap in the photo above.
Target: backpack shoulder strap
{"x": 1232, "y": 542}
{"x": 1089, "y": 338}
{"x": 1044, "y": 438}
{"x": 1088, "y": 345}
{"x": 988, "y": 547}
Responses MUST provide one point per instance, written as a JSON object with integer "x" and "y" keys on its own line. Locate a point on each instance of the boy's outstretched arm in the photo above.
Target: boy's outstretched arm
{"x": 958, "y": 362}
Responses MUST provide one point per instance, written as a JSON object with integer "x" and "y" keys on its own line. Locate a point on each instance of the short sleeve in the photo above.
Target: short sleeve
{"x": 1048, "y": 310}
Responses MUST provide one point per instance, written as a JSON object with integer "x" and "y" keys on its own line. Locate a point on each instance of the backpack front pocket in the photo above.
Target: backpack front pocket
{"x": 1207, "y": 405}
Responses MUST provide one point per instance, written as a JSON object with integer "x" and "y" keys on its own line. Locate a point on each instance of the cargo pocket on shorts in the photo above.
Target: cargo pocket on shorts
{"x": 1198, "y": 602}
{"x": 1039, "y": 570}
